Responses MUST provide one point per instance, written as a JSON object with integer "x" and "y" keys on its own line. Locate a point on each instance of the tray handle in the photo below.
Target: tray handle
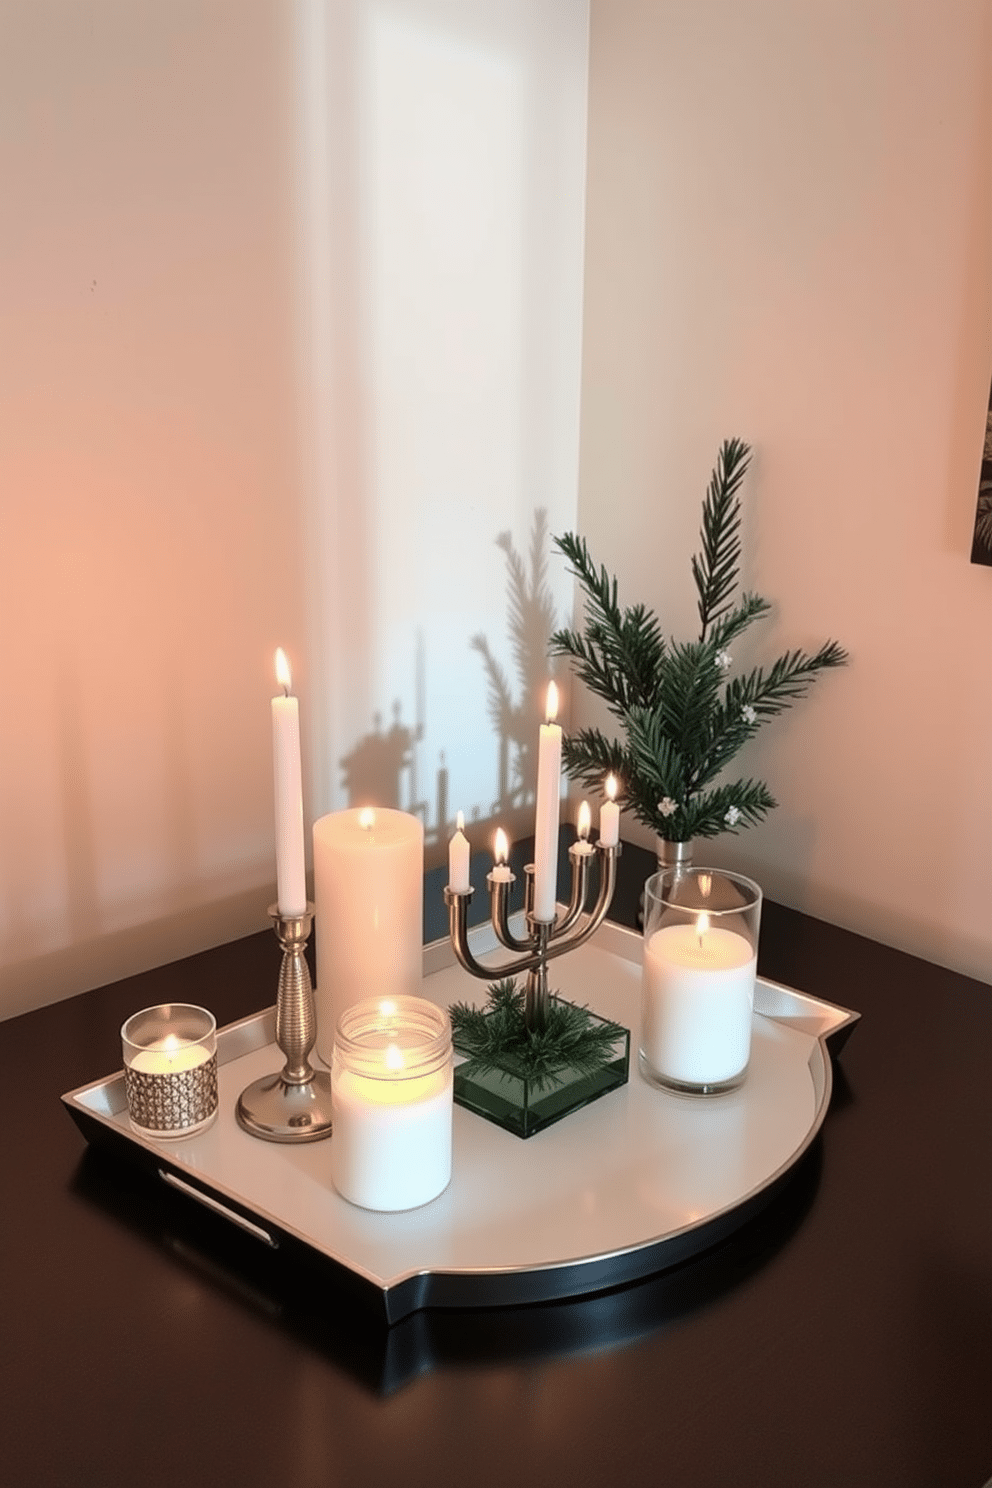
{"x": 208, "y": 1202}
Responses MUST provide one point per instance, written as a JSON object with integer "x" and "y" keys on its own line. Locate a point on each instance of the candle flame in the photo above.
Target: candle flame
{"x": 283, "y": 675}
{"x": 366, "y": 818}
{"x": 460, "y": 822}
{"x": 612, "y": 786}
{"x": 501, "y": 846}
{"x": 584, "y": 821}
{"x": 551, "y": 706}
{"x": 394, "y": 1057}
{"x": 702, "y": 925}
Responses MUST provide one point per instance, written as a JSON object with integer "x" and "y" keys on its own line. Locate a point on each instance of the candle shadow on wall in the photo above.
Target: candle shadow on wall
{"x": 382, "y": 769}
{"x": 515, "y": 716}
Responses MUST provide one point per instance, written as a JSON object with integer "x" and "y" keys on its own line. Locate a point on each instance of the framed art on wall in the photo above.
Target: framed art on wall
{"x": 981, "y": 543}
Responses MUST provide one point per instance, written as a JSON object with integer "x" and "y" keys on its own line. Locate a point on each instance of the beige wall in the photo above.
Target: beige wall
{"x": 789, "y": 235}
{"x": 149, "y": 559}
{"x": 290, "y": 333}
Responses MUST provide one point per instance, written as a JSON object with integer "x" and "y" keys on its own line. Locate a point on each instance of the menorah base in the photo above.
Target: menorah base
{"x": 523, "y": 1104}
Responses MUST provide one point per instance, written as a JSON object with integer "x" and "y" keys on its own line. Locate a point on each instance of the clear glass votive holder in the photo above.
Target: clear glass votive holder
{"x": 700, "y": 960}
{"x": 391, "y": 1103}
{"x": 170, "y": 1069}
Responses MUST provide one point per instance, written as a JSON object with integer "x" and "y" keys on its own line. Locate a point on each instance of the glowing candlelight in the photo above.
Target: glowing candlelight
{"x": 501, "y": 851}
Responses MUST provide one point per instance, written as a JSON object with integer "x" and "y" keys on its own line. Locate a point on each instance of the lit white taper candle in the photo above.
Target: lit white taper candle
{"x": 290, "y": 857}
{"x": 582, "y": 848}
{"x": 548, "y": 812}
{"x": 609, "y": 815}
{"x": 459, "y": 857}
{"x": 501, "y": 851}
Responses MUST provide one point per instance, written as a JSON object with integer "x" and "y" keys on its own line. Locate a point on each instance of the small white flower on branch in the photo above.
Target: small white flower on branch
{"x": 748, "y": 713}
{"x": 667, "y": 806}
{"x": 732, "y": 816}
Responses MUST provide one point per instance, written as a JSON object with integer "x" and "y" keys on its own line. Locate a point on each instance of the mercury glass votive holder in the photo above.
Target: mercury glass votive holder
{"x": 699, "y": 968}
{"x": 170, "y": 1070}
{"x": 391, "y": 1099}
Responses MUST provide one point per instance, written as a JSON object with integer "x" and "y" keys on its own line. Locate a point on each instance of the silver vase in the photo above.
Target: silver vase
{"x": 677, "y": 855}
{"x": 672, "y": 855}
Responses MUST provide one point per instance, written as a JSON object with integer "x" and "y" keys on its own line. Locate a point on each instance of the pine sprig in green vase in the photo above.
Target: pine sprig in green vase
{"x": 683, "y": 716}
{"x": 497, "y": 1040}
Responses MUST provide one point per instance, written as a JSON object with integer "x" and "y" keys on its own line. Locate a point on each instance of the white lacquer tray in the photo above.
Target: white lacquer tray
{"x": 627, "y": 1186}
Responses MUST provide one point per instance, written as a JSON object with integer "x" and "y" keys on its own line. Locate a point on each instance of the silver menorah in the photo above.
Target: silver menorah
{"x": 545, "y": 939}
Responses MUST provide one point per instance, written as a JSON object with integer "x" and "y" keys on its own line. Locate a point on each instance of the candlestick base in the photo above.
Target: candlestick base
{"x": 295, "y": 1104}
{"x": 276, "y": 1111}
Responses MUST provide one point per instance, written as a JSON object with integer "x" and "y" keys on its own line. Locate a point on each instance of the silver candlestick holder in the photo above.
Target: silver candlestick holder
{"x": 295, "y": 1104}
{"x": 545, "y": 939}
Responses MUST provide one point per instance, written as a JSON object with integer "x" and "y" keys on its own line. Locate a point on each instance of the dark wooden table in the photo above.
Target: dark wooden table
{"x": 843, "y": 1337}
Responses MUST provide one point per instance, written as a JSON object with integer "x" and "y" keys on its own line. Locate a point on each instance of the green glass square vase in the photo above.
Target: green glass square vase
{"x": 524, "y": 1105}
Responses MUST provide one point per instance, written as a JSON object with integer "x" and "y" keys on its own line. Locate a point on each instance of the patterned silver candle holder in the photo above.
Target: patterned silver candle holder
{"x": 170, "y": 1070}
{"x": 295, "y": 1104}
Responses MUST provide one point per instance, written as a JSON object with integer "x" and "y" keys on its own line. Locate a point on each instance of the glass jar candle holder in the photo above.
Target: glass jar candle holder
{"x": 170, "y": 1069}
{"x": 391, "y": 1100}
{"x": 699, "y": 967}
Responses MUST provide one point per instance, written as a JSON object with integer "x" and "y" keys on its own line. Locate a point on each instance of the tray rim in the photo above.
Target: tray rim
{"x": 828, "y": 1024}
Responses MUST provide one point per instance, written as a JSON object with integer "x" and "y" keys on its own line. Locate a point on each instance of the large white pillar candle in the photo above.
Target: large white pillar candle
{"x": 548, "y": 812}
{"x": 369, "y": 893}
{"x": 391, "y": 1096}
{"x": 700, "y": 962}
{"x": 291, "y": 880}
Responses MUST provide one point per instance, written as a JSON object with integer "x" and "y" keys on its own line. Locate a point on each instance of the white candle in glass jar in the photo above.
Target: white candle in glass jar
{"x": 369, "y": 893}
{"x": 697, "y": 1002}
{"x": 391, "y": 1098}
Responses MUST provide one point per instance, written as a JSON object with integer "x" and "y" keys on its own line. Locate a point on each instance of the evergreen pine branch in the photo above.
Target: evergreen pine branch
{"x": 715, "y": 567}
{"x": 592, "y": 668}
{"x": 681, "y": 718}
{"x": 590, "y": 756}
{"x": 621, "y": 652}
{"x": 725, "y": 629}
{"x": 496, "y": 1039}
{"x": 728, "y": 808}
{"x": 787, "y": 679}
